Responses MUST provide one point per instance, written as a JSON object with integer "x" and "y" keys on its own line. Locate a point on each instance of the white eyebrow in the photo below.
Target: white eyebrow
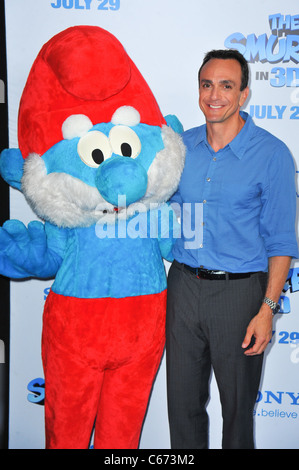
{"x": 76, "y": 125}
{"x": 127, "y": 116}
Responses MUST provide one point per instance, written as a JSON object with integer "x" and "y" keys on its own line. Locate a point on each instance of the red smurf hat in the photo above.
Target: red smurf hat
{"x": 81, "y": 70}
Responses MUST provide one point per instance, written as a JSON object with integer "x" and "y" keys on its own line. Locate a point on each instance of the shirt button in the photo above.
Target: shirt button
{"x": 200, "y": 246}
{"x": 204, "y": 201}
{"x": 208, "y": 179}
{"x": 214, "y": 159}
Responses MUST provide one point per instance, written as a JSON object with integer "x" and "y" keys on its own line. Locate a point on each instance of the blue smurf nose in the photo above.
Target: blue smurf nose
{"x": 121, "y": 177}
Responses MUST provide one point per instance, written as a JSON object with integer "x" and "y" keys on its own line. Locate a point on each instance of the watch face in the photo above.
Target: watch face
{"x": 276, "y": 309}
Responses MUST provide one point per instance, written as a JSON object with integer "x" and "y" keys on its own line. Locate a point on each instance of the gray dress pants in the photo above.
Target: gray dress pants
{"x": 205, "y": 327}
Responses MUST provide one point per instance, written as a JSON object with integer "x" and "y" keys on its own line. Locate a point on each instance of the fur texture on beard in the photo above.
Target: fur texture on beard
{"x": 68, "y": 202}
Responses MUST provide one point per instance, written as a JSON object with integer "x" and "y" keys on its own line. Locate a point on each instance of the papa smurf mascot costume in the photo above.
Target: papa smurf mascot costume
{"x": 97, "y": 163}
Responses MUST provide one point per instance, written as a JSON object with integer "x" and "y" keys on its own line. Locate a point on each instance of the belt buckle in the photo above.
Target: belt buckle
{"x": 202, "y": 273}
{"x": 210, "y": 274}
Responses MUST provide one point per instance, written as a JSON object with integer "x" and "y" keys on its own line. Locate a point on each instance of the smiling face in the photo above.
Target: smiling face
{"x": 220, "y": 95}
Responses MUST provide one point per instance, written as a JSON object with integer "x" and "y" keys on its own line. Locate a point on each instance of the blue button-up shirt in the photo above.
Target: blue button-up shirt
{"x": 238, "y": 204}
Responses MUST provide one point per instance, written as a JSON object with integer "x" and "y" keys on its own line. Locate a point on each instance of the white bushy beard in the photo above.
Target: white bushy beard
{"x": 66, "y": 201}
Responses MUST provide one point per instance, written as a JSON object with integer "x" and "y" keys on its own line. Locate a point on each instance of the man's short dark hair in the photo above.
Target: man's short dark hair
{"x": 228, "y": 54}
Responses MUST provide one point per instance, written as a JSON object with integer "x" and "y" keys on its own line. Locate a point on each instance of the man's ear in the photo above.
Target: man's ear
{"x": 244, "y": 96}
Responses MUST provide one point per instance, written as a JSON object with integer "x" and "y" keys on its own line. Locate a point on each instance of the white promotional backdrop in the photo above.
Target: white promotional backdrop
{"x": 167, "y": 40}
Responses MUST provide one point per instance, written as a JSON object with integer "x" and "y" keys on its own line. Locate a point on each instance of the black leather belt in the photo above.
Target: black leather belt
{"x": 202, "y": 273}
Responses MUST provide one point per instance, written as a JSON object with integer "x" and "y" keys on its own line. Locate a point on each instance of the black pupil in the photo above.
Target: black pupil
{"x": 97, "y": 156}
{"x": 126, "y": 149}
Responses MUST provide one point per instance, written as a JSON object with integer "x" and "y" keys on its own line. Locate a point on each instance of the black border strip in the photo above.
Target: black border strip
{"x": 4, "y": 215}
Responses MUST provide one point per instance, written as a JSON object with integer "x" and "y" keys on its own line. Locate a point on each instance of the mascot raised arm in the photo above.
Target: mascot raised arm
{"x": 97, "y": 163}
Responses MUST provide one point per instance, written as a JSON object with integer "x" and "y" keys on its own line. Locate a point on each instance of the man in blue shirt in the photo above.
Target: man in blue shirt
{"x": 237, "y": 200}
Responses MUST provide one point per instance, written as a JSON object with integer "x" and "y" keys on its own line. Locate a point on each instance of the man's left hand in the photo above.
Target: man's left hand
{"x": 260, "y": 328}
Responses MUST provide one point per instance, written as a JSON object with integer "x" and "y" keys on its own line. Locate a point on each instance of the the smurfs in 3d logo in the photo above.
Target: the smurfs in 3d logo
{"x": 281, "y": 46}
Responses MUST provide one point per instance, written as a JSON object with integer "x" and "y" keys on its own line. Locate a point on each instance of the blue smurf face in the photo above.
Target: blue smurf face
{"x": 99, "y": 170}
{"x": 112, "y": 157}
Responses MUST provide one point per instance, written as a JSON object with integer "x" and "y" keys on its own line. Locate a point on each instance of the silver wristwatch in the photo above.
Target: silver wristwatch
{"x": 275, "y": 307}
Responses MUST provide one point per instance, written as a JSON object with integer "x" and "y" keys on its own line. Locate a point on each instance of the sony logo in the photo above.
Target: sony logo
{"x": 278, "y": 397}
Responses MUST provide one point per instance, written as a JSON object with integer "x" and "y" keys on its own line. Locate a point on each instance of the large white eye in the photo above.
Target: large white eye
{"x": 93, "y": 148}
{"x": 124, "y": 141}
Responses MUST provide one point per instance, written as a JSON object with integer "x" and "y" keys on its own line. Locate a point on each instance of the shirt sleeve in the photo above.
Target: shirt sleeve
{"x": 279, "y": 199}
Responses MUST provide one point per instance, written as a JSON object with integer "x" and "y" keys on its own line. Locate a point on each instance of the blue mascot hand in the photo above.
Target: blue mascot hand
{"x": 24, "y": 251}
{"x": 165, "y": 223}
{"x": 11, "y": 167}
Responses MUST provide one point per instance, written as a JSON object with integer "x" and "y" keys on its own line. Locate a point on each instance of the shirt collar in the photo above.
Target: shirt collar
{"x": 239, "y": 144}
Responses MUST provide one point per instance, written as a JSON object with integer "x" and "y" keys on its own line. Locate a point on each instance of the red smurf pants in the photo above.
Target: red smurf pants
{"x": 100, "y": 359}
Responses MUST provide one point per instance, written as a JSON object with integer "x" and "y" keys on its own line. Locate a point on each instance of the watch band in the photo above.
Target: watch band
{"x": 275, "y": 307}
